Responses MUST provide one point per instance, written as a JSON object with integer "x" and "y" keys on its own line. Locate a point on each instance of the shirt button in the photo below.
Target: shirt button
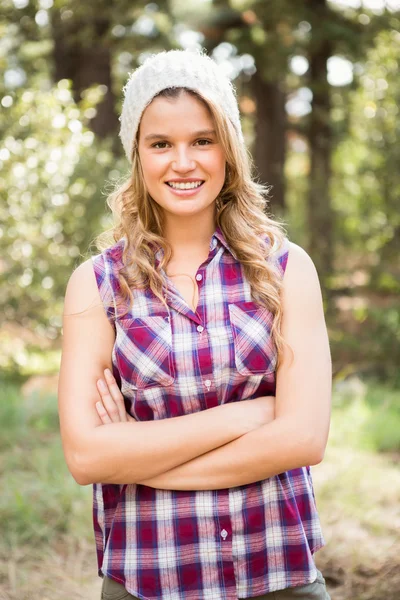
{"x": 199, "y": 327}
{"x": 208, "y": 382}
{"x": 224, "y": 534}
{"x": 199, "y": 277}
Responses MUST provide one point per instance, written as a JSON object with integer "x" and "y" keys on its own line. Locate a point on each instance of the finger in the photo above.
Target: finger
{"x": 108, "y": 401}
{"x": 105, "y": 419}
{"x": 116, "y": 394}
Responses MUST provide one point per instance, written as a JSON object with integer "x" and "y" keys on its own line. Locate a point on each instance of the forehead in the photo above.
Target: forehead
{"x": 184, "y": 110}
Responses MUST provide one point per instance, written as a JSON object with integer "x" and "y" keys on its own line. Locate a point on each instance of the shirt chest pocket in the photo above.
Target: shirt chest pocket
{"x": 144, "y": 351}
{"x": 254, "y": 348}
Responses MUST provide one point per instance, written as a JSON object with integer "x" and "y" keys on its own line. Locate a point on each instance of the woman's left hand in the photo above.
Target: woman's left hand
{"x": 111, "y": 407}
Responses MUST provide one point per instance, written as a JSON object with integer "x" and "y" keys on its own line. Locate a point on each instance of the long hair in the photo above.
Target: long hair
{"x": 240, "y": 212}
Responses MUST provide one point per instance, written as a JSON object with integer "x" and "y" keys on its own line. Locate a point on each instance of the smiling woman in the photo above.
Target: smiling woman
{"x": 199, "y": 438}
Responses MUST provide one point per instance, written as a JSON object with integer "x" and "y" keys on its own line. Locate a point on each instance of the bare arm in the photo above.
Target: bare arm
{"x": 124, "y": 452}
{"x": 298, "y": 435}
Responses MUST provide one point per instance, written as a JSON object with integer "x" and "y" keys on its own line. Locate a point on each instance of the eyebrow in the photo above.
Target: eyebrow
{"x": 154, "y": 136}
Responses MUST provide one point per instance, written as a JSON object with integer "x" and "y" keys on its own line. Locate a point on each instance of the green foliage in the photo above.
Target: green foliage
{"x": 385, "y": 341}
{"x": 12, "y": 418}
{"x": 370, "y": 344}
{"x": 40, "y": 500}
{"x": 366, "y": 185}
{"x": 55, "y": 179}
{"x": 365, "y": 192}
{"x": 382, "y": 428}
{"x": 54, "y": 173}
{"x": 366, "y": 416}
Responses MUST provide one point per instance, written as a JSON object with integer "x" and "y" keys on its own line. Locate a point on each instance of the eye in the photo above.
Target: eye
{"x": 157, "y": 143}
{"x": 204, "y": 140}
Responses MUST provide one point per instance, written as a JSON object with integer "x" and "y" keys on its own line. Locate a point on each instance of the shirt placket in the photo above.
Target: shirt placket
{"x": 204, "y": 355}
{"x": 224, "y": 530}
{"x": 199, "y": 326}
{"x": 203, "y": 341}
{"x": 223, "y": 525}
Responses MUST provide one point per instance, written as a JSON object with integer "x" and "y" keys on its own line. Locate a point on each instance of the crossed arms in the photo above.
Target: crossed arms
{"x": 246, "y": 441}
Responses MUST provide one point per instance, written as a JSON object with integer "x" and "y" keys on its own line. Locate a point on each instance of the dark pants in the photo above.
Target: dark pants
{"x": 112, "y": 590}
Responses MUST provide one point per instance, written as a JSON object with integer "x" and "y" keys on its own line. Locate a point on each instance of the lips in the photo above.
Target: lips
{"x": 191, "y": 191}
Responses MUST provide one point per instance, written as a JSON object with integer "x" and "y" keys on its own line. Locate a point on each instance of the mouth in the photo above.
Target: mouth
{"x": 185, "y": 191}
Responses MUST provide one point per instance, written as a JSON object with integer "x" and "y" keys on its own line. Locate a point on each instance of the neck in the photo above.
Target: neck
{"x": 189, "y": 236}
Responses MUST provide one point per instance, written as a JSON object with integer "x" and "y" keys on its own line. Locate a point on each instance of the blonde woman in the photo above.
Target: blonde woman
{"x": 195, "y": 380}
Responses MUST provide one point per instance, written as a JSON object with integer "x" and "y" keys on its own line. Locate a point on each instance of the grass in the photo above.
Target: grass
{"x": 39, "y": 497}
{"x": 46, "y": 516}
{"x": 358, "y": 493}
{"x": 366, "y": 416}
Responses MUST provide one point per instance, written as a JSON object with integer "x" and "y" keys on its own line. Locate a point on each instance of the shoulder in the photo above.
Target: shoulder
{"x": 292, "y": 261}
{"x": 82, "y": 290}
{"x": 299, "y": 262}
{"x": 301, "y": 286}
{"x": 93, "y": 281}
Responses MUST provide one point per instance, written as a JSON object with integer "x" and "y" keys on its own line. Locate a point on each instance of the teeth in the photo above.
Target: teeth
{"x": 185, "y": 186}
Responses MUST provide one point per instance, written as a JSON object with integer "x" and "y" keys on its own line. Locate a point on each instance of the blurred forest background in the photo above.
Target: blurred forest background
{"x": 319, "y": 92}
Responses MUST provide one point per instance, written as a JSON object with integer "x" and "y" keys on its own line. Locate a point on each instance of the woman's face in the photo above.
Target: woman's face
{"x": 177, "y": 143}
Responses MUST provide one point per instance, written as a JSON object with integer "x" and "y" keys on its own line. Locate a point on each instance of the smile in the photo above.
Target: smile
{"x": 185, "y": 189}
{"x": 185, "y": 186}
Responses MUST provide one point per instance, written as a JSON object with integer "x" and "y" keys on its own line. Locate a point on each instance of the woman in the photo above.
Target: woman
{"x": 198, "y": 438}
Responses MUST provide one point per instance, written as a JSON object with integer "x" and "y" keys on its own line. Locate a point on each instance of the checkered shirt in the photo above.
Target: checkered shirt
{"x": 209, "y": 544}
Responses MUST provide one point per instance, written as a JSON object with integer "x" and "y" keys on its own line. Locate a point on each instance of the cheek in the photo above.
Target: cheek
{"x": 215, "y": 164}
{"x": 152, "y": 169}
{"x": 220, "y": 168}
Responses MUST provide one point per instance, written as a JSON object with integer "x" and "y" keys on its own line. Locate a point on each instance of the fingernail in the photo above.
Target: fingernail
{"x": 101, "y": 384}
{"x": 108, "y": 373}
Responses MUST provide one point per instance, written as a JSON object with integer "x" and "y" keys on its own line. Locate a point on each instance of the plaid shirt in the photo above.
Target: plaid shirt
{"x": 208, "y": 544}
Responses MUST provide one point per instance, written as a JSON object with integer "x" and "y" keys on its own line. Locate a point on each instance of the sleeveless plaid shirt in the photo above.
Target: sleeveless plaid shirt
{"x": 209, "y": 544}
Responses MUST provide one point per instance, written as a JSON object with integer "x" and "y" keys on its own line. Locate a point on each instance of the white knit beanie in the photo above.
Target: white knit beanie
{"x": 175, "y": 68}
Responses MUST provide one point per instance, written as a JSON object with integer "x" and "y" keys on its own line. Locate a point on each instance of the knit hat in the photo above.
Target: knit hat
{"x": 175, "y": 68}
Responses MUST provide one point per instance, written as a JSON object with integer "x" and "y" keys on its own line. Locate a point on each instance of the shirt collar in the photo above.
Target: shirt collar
{"x": 218, "y": 235}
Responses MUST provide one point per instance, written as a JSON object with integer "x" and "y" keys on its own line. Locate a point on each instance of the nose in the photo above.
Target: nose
{"x": 183, "y": 161}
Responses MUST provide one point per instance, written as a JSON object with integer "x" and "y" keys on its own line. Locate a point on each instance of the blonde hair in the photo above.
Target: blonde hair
{"x": 240, "y": 213}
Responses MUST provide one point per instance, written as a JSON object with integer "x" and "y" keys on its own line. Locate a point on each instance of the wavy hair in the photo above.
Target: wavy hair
{"x": 240, "y": 212}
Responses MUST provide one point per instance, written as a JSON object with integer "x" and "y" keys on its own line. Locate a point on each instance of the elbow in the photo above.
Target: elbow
{"x": 313, "y": 439}
{"x": 317, "y": 454}
{"x": 88, "y": 471}
{"x": 79, "y": 469}
{"x": 82, "y": 478}
{"x": 306, "y": 442}
{"x": 315, "y": 449}
{"x": 84, "y": 461}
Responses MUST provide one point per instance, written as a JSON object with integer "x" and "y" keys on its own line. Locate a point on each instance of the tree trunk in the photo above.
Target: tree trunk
{"x": 270, "y": 140}
{"x": 82, "y": 54}
{"x": 320, "y": 213}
